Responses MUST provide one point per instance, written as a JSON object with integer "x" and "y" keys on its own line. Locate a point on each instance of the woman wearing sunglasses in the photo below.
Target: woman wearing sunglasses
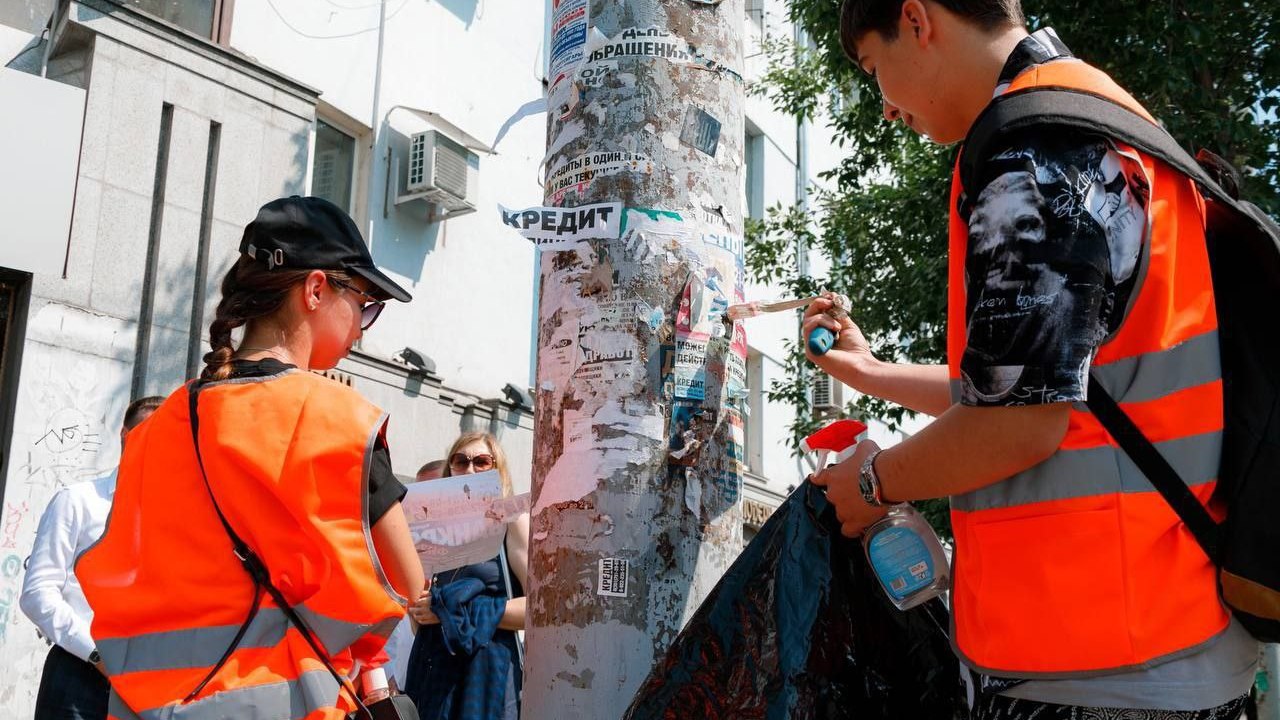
{"x": 446, "y": 681}
{"x": 257, "y": 555}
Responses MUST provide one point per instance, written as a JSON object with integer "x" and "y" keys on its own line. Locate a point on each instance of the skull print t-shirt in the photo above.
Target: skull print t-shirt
{"x": 1055, "y": 252}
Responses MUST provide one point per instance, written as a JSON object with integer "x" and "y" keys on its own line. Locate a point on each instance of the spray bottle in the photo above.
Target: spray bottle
{"x": 903, "y": 550}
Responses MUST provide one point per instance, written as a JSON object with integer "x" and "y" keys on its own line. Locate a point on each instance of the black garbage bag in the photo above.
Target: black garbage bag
{"x": 799, "y": 628}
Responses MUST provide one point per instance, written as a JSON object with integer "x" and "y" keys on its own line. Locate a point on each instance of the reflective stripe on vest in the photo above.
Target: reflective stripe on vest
{"x": 1096, "y": 471}
{"x": 1076, "y": 566}
{"x": 312, "y": 691}
{"x": 202, "y": 647}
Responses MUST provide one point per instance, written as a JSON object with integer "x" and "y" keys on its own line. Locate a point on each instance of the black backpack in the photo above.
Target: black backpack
{"x": 1244, "y": 255}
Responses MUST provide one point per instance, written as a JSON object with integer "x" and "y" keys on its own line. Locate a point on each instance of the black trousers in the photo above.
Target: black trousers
{"x": 71, "y": 689}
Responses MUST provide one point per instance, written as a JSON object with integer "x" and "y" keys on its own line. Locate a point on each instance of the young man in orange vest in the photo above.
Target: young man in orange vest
{"x": 1076, "y": 588}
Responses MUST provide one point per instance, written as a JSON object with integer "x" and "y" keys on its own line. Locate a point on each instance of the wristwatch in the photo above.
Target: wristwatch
{"x": 869, "y": 482}
{"x": 94, "y": 657}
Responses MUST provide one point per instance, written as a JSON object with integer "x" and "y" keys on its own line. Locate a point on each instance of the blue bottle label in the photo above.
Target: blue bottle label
{"x": 901, "y": 560}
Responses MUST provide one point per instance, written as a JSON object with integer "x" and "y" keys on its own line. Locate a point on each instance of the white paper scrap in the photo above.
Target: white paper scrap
{"x": 557, "y": 227}
{"x": 613, "y": 577}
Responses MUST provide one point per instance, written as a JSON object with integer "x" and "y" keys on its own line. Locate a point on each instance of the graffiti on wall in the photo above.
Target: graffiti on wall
{"x": 61, "y": 436}
{"x": 64, "y": 452}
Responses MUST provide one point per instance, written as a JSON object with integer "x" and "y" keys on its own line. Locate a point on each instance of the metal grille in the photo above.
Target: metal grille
{"x": 450, "y": 167}
{"x": 417, "y": 160}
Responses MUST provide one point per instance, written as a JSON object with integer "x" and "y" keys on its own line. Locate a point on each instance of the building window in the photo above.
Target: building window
{"x": 755, "y": 16}
{"x": 753, "y": 36}
{"x": 753, "y": 178}
{"x": 334, "y": 167}
{"x": 210, "y": 19}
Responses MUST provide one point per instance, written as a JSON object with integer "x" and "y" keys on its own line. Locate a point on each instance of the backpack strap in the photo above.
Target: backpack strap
{"x": 1083, "y": 110}
{"x": 1157, "y": 469}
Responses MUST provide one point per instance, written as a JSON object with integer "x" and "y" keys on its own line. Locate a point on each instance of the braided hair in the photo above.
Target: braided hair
{"x": 250, "y": 291}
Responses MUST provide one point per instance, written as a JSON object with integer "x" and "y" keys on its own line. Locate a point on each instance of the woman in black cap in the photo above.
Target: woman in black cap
{"x": 257, "y": 556}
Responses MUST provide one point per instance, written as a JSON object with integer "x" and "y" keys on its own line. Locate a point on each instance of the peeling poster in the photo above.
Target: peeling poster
{"x": 559, "y": 358}
{"x": 693, "y": 493}
{"x": 556, "y": 227}
{"x": 701, "y": 130}
{"x": 613, "y": 577}
{"x": 639, "y": 43}
{"x": 691, "y": 427}
{"x": 578, "y": 173}
{"x": 607, "y": 341}
{"x": 699, "y": 328}
{"x": 569, "y": 19}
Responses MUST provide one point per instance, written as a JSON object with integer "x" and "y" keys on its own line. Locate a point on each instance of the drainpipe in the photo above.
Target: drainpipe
{"x": 374, "y": 123}
{"x": 802, "y": 166}
{"x": 802, "y": 200}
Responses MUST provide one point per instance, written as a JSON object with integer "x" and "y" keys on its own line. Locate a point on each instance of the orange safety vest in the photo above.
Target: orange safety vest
{"x": 288, "y": 460}
{"x": 1078, "y": 566}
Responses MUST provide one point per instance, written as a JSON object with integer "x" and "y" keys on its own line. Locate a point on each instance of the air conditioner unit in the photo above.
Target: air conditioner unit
{"x": 442, "y": 172}
{"x": 828, "y": 395}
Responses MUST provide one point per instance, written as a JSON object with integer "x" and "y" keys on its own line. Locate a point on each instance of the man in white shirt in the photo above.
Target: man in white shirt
{"x": 73, "y": 685}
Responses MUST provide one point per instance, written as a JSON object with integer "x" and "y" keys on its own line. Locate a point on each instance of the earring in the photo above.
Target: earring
{"x": 312, "y": 305}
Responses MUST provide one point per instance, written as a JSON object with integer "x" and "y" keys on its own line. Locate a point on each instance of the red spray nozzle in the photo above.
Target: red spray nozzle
{"x": 836, "y": 437}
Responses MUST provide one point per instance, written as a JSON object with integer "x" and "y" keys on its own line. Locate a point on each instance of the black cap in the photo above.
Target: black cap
{"x": 311, "y": 233}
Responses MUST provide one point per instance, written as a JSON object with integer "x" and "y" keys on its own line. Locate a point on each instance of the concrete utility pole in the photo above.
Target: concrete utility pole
{"x": 639, "y": 426}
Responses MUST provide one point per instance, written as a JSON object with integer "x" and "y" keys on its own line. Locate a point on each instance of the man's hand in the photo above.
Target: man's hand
{"x": 923, "y": 388}
{"x": 841, "y": 481}
{"x": 850, "y": 350}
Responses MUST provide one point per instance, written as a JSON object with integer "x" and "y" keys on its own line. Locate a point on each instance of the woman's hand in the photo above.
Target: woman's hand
{"x": 420, "y": 610}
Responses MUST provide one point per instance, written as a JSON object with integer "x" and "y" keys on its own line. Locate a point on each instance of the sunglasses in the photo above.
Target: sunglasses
{"x": 480, "y": 462}
{"x": 368, "y": 312}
